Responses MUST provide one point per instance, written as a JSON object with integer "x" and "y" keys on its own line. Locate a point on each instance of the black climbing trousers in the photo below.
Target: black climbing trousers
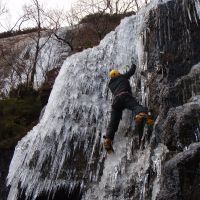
{"x": 121, "y": 102}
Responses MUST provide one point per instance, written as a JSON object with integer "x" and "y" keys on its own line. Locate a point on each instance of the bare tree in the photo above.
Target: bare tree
{"x": 70, "y": 18}
{"x": 86, "y": 7}
{"x": 19, "y": 22}
{"x": 100, "y": 16}
{"x": 55, "y": 19}
{"x": 3, "y": 8}
{"x": 121, "y": 6}
{"x": 14, "y": 70}
{"x": 23, "y": 68}
{"x": 3, "y": 11}
{"x": 35, "y": 14}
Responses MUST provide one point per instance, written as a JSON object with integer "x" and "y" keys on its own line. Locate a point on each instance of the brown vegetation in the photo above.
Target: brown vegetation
{"x": 92, "y": 29}
{"x": 12, "y": 33}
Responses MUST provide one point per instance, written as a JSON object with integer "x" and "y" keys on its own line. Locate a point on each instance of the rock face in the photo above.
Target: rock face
{"x": 172, "y": 44}
{"x": 5, "y": 159}
{"x": 175, "y": 91}
{"x": 62, "y": 155}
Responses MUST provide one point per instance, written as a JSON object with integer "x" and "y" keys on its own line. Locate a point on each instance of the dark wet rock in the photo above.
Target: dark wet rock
{"x": 181, "y": 126}
{"x": 173, "y": 47}
{"x": 5, "y": 159}
{"x": 181, "y": 175}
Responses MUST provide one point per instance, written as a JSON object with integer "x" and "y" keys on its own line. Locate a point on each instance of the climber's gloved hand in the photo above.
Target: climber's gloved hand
{"x": 126, "y": 68}
{"x": 133, "y": 67}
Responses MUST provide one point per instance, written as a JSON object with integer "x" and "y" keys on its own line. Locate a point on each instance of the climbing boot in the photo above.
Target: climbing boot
{"x": 139, "y": 117}
{"x": 150, "y": 120}
{"x": 107, "y": 143}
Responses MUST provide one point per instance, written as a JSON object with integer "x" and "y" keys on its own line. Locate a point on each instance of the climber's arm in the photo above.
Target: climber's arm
{"x": 130, "y": 72}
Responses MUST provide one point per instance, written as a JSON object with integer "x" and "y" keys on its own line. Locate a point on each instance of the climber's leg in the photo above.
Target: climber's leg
{"x": 140, "y": 112}
{"x": 116, "y": 115}
{"x": 112, "y": 128}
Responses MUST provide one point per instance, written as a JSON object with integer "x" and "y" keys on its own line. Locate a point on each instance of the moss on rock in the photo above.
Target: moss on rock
{"x": 17, "y": 116}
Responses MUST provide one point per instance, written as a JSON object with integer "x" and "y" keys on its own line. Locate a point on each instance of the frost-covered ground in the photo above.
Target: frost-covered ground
{"x": 51, "y": 55}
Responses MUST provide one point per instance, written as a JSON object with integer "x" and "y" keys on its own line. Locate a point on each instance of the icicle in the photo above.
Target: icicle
{"x": 197, "y": 132}
{"x": 159, "y": 155}
{"x": 197, "y": 4}
{"x": 189, "y": 14}
{"x": 143, "y": 190}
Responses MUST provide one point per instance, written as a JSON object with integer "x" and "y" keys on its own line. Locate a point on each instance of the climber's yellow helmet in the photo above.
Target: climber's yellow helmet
{"x": 113, "y": 73}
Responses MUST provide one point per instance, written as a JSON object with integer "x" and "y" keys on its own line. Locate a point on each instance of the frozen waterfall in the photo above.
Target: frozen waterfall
{"x": 64, "y": 149}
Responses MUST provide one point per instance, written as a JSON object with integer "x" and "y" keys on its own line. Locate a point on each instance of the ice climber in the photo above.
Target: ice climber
{"x": 122, "y": 99}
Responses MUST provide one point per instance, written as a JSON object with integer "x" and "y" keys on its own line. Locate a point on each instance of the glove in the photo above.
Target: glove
{"x": 133, "y": 67}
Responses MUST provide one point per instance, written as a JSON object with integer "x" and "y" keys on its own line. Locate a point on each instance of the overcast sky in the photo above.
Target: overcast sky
{"x": 15, "y": 8}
